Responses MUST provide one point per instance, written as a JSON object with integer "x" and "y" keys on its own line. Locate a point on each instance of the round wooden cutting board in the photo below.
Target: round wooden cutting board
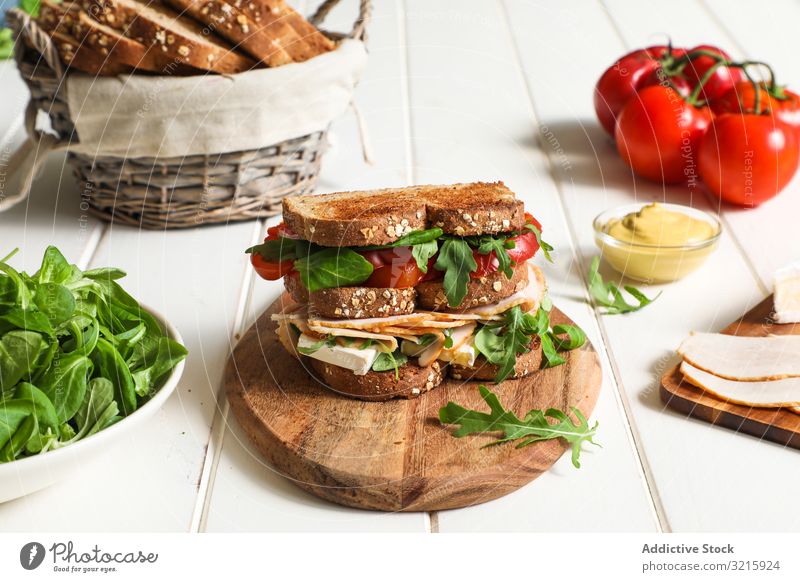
{"x": 395, "y": 455}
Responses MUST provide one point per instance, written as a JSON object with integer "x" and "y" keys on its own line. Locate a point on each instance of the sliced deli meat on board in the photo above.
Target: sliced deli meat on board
{"x": 767, "y": 393}
{"x": 742, "y": 357}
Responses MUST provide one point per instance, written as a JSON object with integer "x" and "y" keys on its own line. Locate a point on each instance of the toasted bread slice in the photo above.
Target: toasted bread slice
{"x": 485, "y": 290}
{"x": 377, "y": 217}
{"x": 526, "y": 364}
{"x": 160, "y": 28}
{"x": 412, "y": 380}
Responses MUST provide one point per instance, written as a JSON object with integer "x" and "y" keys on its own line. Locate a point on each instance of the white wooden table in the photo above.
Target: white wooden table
{"x": 456, "y": 90}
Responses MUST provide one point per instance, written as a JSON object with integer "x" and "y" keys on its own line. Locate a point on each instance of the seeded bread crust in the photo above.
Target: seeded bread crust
{"x": 353, "y": 302}
{"x": 482, "y": 291}
{"x": 378, "y": 217}
{"x": 300, "y": 38}
{"x": 413, "y": 381}
{"x": 482, "y": 370}
{"x": 80, "y": 56}
{"x": 159, "y": 28}
{"x": 228, "y": 21}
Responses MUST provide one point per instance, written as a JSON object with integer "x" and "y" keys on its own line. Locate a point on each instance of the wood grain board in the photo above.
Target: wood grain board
{"x": 395, "y": 455}
{"x": 775, "y": 424}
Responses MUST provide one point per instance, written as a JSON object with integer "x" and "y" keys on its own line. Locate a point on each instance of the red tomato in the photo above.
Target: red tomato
{"x": 659, "y": 77}
{"x": 486, "y": 264}
{"x": 657, "y": 135}
{"x": 270, "y": 271}
{"x": 722, "y": 79}
{"x": 621, "y": 81}
{"x": 281, "y": 230}
{"x": 747, "y": 159}
{"x": 399, "y": 269}
{"x": 525, "y": 246}
{"x": 741, "y": 99}
{"x": 374, "y": 257}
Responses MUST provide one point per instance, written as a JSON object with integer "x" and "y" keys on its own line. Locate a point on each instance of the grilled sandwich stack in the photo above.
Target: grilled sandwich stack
{"x": 392, "y": 290}
{"x": 178, "y": 37}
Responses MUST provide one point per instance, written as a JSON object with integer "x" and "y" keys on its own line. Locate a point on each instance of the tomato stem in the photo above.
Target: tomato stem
{"x": 694, "y": 97}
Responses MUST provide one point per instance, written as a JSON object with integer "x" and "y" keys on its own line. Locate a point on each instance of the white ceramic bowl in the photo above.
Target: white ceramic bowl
{"x": 30, "y": 474}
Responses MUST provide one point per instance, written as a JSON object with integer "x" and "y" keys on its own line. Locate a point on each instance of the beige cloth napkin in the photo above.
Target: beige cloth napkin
{"x": 141, "y": 116}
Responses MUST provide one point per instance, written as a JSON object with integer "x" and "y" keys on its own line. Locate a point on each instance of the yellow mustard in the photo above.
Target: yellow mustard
{"x": 657, "y": 243}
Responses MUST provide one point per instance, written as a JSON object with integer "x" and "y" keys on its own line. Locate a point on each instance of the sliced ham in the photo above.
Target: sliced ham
{"x": 769, "y": 393}
{"x": 743, "y": 358}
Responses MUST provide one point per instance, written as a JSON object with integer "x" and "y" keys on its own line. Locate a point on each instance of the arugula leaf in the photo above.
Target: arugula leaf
{"x": 501, "y": 343}
{"x": 448, "y": 338}
{"x": 456, "y": 260}
{"x": 332, "y": 267}
{"x": 390, "y": 360}
{"x": 535, "y": 427}
{"x": 546, "y": 247}
{"x": 609, "y": 296}
{"x": 423, "y": 252}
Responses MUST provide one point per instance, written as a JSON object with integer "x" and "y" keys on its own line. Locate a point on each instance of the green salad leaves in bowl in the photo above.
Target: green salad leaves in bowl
{"x": 81, "y": 362}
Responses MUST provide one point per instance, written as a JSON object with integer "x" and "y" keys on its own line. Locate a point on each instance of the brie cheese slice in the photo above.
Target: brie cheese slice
{"x": 787, "y": 294}
{"x": 358, "y": 360}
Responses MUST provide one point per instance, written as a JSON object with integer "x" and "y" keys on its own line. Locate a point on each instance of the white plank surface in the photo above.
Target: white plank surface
{"x": 455, "y": 91}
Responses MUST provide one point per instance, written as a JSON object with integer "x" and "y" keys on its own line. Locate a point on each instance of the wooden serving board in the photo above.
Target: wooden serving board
{"x": 395, "y": 455}
{"x": 774, "y": 424}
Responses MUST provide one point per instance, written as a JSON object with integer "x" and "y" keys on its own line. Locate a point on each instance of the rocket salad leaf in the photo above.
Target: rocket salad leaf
{"x": 608, "y": 295}
{"x": 77, "y": 353}
{"x": 534, "y": 427}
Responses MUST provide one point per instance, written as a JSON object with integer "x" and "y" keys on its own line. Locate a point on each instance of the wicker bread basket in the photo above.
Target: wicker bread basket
{"x": 172, "y": 192}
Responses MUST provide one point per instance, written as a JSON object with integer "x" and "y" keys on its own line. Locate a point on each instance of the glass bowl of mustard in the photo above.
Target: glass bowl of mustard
{"x": 655, "y": 242}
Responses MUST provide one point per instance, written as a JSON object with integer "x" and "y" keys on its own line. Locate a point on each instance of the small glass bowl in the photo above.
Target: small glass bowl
{"x": 654, "y": 263}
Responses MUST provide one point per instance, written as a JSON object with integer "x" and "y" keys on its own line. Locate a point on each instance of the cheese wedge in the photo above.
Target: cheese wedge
{"x": 743, "y": 358}
{"x": 787, "y": 294}
{"x": 770, "y": 393}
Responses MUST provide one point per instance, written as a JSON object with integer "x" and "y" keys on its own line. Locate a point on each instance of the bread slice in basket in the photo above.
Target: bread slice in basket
{"x": 160, "y": 28}
{"x": 116, "y": 52}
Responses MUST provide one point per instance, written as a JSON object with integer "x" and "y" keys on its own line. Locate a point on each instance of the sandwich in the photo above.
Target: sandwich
{"x": 391, "y": 290}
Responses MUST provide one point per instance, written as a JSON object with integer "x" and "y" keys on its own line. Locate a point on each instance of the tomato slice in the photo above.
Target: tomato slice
{"x": 486, "y": 264}
{"x": 398, "y": 269}
{"x": 268, "y": 270}
{"x": 280, "y": 231}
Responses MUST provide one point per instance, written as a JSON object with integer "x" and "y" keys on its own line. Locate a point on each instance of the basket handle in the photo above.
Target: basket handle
{"x": 359, "y": 31}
